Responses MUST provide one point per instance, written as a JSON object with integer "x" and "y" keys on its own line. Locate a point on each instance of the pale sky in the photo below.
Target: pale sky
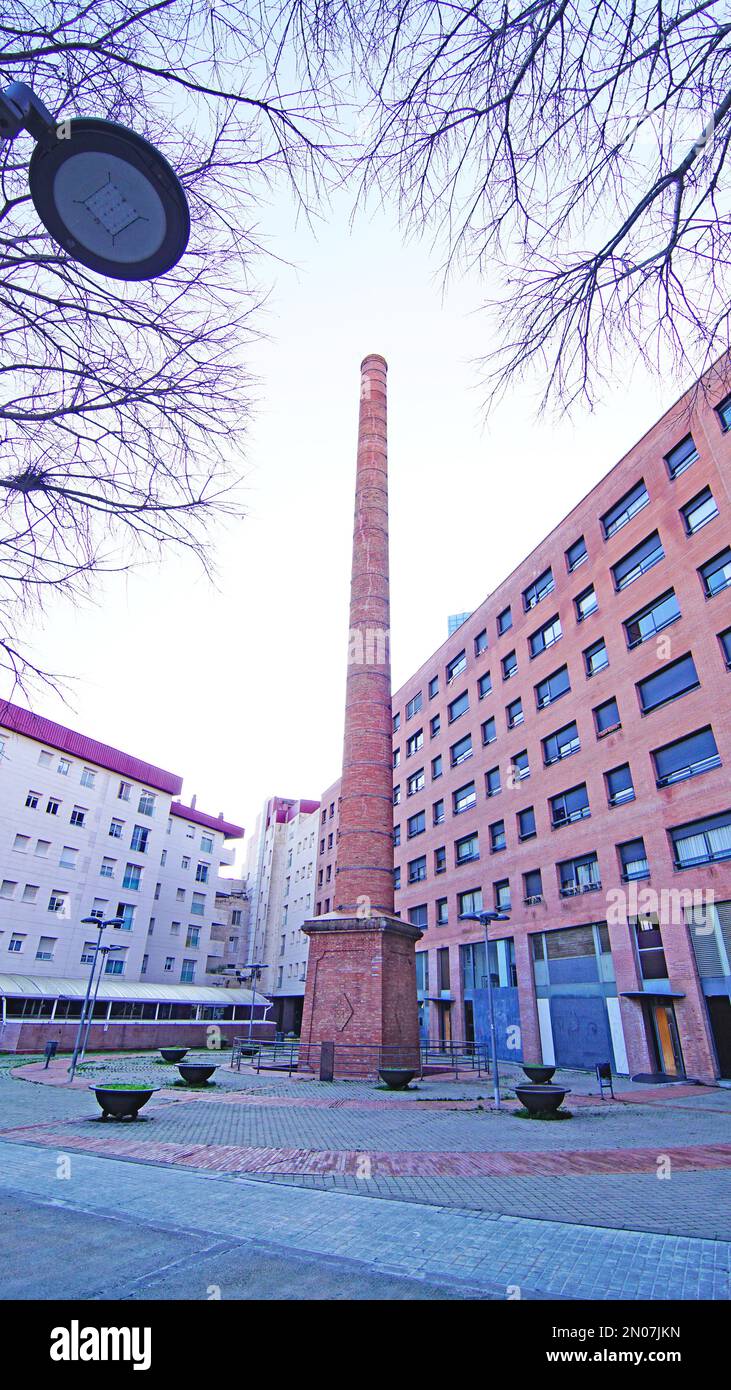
{"x": 240, "y": 688}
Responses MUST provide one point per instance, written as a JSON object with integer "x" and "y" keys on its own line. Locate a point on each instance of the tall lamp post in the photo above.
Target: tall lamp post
{"x": 253, "y": 971}
{"x": 100, "y": 923}
{"x": 485, "y": 918}
{"x": 107, "y": 196}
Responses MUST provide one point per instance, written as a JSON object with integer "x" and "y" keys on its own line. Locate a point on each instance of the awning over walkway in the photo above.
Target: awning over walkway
{"x": 48, "y": 987}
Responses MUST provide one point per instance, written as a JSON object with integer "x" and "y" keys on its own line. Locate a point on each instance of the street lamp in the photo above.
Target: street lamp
{"x": 485, "y": 918}
{"x": 254, "y": 972}
{"x": 100, "y": 923}
{"x": 109, "y": 198}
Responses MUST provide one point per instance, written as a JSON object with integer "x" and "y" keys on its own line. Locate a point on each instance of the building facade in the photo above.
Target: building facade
{"x": 563, "y": 758}
{"x": 281, "y": 885}
{"x": 89, "y": 831}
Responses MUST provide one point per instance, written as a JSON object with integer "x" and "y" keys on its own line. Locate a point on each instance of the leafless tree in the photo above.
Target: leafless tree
{"x": 123, "y": 407}
{"x": 576, "y": 152}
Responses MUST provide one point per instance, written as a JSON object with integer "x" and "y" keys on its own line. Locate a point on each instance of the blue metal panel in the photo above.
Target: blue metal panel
{"x": 573, "y": 970}
{"x": 507, "y": 1018}
{"x": 580, "y": 1025}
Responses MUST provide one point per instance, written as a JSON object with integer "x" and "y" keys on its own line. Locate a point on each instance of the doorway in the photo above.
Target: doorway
{"x": 665, "y": 1040}
{"x": 719, "y": 1013}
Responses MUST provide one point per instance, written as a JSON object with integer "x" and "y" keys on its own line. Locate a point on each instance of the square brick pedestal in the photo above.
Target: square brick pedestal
{"x": 361, "y": 994}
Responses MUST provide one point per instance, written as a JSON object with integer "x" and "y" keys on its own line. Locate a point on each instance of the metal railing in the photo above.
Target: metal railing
{"x": 458, "y": 1056}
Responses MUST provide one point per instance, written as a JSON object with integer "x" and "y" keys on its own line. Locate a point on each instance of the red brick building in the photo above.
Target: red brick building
{"x": 564, "y": 757}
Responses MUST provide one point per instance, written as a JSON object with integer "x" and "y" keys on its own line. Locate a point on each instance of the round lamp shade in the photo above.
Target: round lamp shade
{"x": 110, "y": 199}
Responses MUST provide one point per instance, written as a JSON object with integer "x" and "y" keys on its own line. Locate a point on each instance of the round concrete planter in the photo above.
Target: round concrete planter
{"x": 122, "y": 1104}
{"x": 173, "y": 1054}
{"x": 195, "y": 1073}
{"x": 541, "y": 1099}
{"x": 537, "y": 1072}
{"x": 396, "y": 1078}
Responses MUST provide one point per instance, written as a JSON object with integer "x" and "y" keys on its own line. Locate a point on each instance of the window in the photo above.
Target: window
{"x": 78, "y": 816}
{"x": 88, "y": 777}
{"x": 396, "y": 757}
{"x": 417, "y": 869}
{"x": 553, "y": 687}
{"x": 418, "y": 916}
{"x": 198, "y": 904}
{"x": 202, "y": 872}
{"x": 638, "y": 561}
{"x": 562, "y": 744}
{"x": 723, "y": 411}
{"x": 681, "y": 456}
{"x": 64, "y": 767}
{"x": 655, "y": 616}
{"x": 42, "y": 848}
{"x": 52, "y": 807}
{"x": 45, "y": 949}
{"x": 193, "y": 936}
{"x": 595, "y": 658}
{"x": 16, "y": 943}
{"x": 115, "y": 829}
{"x": 396, "y": 726}
{"x": 30, "y": 892}
{"x": 520, "y": 766}
{"x": 132, "y": 876}
{"x": 540, "y": 588}
{"x": 126, "y": 911}
{"x": 481, "y": 642}
{"x": 484, "y": 685}
{"x": 415, "y": 783}
{"x": 514, "y": 713}
{"x": 396, "y": 802}
{"x": 435, "y": 725}
{"x": 7, "y": 888}
{"x": 45, "y": 758}
{"x": 569, "y": 806}
{"x": 526, "y": 823}
{"x": 440, "y": 860}
{"x": 606, "y": 717}
{"x": 438, "y": 812}
{"x": 433, "y": 687}
{"x": 575, "y": 555}
{"x": 140, "y": 836}
{"x": 470, "y": 901}
{"x": 619, "y": 785}
{"x": 501, "y": 893}
{"x": 456, "y": 666}
{"x": 458, "y": 707}
{"x": 509, "y": 666}
{"x": 31, "y": 800}
{"x": 492, "y": 781}
{"x": 650, "y": 953}
{"x": 585, "y": 603}
{"x": 532, "y": 887}
{"x": 57, "y": 903}
{"x": 669, "y": 683}
{"x": 489, "y": 732}
{"x": 442, "y": 912}
{"x": 504, "y": 621}
{"x": 545, "y": 636}
{"x": 725, "y": 640}
{"x": 206, "y": 844}
{"x": 22, "y": 843}
{"x": 700, "y": 510}
{"x": 125, "y": 791}
{"x": 580, "y": 875}
{"x": 497, "y": 837}
{"x": 460, "y": 751}
{"x": 414, "y": 743}
{"x": 686, "y": 757}
{"x": 633, "y": 860}
{"x": 146, "y": 803}
{"x": 187, "y": 971}
{"x": 623, "y": 510}
{"x": 416, "y": 825}
{"x": 702, "y": 841}
{"x": 464, "y": 798}
{"x": 466, "y": 849}
{"x": 436, "y": 767}
{"x": 716, "y": 573}
{"x": 179, "y": 895}
{"x": 69, "y": 856}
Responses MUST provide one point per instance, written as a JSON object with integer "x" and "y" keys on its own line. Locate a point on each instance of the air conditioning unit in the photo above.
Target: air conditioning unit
{"x": 533, "y": 899}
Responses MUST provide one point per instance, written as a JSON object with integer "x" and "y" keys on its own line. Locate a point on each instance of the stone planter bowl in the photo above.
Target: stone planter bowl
{"x": 173, "y": 1054}
{"x": 537, "y": 1071}
{"x": 541, "y": 1099}
{"x": 396, "y": 1078}
{"x": 196, "y": 1073}
{"x": 122, "y": 1104}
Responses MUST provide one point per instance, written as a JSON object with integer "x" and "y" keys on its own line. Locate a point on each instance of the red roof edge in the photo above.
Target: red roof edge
{"x": 229, "y": 831}
{"x": 22, "y": 721}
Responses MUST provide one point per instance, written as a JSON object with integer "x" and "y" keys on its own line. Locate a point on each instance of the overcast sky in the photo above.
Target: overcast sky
{"x": 240, "y": 688}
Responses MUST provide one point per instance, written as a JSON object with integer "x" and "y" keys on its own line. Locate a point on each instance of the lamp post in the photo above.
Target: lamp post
{"x": 100, "y": 924}
{"x": 485, "y": 918}
{"x": 103, "y": 952}
{"x": 107, "y": 196}
{"x": 254, "y": 971}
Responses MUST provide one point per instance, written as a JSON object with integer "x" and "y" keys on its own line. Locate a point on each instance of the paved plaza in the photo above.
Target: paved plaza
{"x": 266, "y": 1177}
